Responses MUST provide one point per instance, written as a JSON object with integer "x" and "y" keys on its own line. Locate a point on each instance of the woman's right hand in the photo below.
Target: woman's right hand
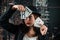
{"x": 19, "y": 7}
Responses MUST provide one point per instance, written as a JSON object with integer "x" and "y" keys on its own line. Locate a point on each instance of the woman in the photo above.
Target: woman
{"x": 27, "y": 28}
{"x": 32, "y": 32}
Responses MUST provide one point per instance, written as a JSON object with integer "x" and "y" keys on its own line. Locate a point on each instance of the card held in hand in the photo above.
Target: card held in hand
{"x": 38, "y": 22}
{"x": 26, "y": 13}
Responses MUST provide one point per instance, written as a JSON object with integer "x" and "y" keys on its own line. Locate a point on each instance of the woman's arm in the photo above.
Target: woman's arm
{"x": 11, "y": 11}
{"x": 4, "y": 19}
{"x": 7, "y": 15}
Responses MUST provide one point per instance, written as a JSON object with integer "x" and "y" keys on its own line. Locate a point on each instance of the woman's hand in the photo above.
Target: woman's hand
{"x": 43, "y": 29}
{"x": 19, "y": 7}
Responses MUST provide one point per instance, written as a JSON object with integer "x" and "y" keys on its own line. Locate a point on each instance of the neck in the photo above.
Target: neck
{"x": 31, "y": 32}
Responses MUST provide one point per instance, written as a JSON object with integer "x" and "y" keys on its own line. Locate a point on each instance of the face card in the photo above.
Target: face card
{"x": 26, "y": 13}
{"x": 38, "y": 21}
{"x": 22, "y": 15}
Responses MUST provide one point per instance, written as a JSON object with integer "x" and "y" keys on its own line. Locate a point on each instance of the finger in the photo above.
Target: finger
{"x": 43, "y": 33}
{"x": 21, "y": 8}
{"x": 15, "y": 7}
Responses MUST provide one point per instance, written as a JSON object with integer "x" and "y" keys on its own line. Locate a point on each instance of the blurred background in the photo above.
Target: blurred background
{"x": 49, "y": 9}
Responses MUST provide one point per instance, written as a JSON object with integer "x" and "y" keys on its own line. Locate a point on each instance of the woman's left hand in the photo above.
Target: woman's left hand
{"x": 43, "y": 29}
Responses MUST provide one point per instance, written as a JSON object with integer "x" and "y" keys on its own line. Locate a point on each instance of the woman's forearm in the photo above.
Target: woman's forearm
{"x": 7, "y": 14}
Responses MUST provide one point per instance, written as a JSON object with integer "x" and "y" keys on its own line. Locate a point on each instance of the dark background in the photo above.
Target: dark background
{"x": 54, "y": 12}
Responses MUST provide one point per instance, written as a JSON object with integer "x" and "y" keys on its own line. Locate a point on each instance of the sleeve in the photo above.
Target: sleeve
{"x": 7, "y": 14}
{"x": 4, "y": 20}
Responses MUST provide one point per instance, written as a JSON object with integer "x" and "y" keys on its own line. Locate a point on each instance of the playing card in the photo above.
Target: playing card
{"x": 38, "y": 21}
{"x": 26, "y": 13}
{"x": 23, "y": 16}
